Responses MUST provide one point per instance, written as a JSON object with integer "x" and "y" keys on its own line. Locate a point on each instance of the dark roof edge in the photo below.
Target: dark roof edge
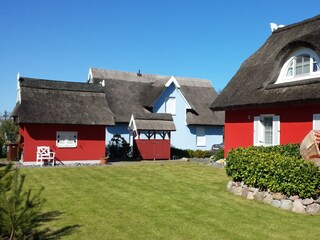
{"x": 290, "y": 26}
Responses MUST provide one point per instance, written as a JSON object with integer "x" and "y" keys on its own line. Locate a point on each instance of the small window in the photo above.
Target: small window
{"x": 201, "y": 137}
{"x": 171, "y": 105}
{"x": 316, "y": 122}
{"x": 67, "y": 139}
{"x": 301, "y": 64}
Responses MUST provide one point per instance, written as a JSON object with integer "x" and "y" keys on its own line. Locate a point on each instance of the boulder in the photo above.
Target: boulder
{"x": 278, "y": 196}
{"x": 229, "y": 185}
{"x": 298, "y": 207}
{"x": 268, "y": 199}
{"x": 286, "y": 204}
{"x": 250, "y": 196}
{"x": 244, "y": 192}
{"x": 313, "y": 208}
{"x": 259, "y": 196}
{"x": 307, "y": 201}
{"x": 276, "y": 203}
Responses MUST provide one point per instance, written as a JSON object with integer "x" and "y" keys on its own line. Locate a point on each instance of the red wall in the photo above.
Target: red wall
{"x": 295, "y": 124}
{"x": 152, "y": 149}
{"x": 91, "y": 141}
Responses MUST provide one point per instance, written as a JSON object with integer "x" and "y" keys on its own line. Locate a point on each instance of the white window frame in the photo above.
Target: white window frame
{"x": 170, "y": 105}
{"x": 316, "y": 122}
{"x": 66, "y": 139}
{"x": 200, "y": 136}
{"x": 259, "y": 130}
{"x": 291, "y": 60}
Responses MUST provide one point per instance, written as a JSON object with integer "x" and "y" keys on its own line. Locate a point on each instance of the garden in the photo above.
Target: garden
{"x": 155, "y": 200}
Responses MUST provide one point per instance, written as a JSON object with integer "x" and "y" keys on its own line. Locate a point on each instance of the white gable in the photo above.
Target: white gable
{"x": 174, "y": 81}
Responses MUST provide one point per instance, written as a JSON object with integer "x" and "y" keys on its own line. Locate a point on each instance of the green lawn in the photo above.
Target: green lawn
{"x": 174, "y": 200}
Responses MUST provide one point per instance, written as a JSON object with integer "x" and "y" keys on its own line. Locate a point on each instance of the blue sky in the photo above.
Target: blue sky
{"x": 62, "y": 39}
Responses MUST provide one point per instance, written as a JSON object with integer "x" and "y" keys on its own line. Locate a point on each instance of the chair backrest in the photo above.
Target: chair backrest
{"x": 43, "y": 150}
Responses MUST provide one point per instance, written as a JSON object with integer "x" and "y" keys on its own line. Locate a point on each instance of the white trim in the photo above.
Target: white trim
{"x": 132, "y": 124}
{"x": 316, "y": 122}
{"x": 258, "y": 130}
{"x": 282, "y": 78}
{"x": 200, "y": 136}
{"x": 188, "y": 106}
{"x": 63, "y": 140}
{"x": 174, "y": 81}
{"x": 64, "y": 162}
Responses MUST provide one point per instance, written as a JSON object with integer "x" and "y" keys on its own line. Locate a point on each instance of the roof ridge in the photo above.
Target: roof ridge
{"x": 297, "y": 24}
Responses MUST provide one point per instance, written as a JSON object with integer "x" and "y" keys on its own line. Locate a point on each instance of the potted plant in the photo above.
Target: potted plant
{"x": 104, "y": 160}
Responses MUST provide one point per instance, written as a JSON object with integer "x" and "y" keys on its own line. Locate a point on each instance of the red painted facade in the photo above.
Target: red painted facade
{"x": 157, "y": 146}
{"x": 90, "y": 145}
{"x": 295, "y": 124}
{"x": 152, "y": 149}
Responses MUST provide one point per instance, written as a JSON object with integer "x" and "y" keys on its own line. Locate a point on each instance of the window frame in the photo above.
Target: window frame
{"x": 171, "y": 105}
{"x": 201, "y": 137}
{"x": 66, "y": 139}
{"x": 291, "y": 62}
{"x": 259, "y": 130}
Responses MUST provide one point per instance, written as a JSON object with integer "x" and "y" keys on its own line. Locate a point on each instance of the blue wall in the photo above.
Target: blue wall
{"x": 185, "y": 136}
{"x": 120, "y": 128}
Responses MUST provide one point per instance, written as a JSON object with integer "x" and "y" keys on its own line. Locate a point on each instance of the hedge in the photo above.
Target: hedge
{"x": 275, "y": 169}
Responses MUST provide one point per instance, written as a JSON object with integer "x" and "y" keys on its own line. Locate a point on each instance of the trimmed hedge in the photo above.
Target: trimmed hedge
{"x": 180, "y": 153}
{"x": 276, "y": 169}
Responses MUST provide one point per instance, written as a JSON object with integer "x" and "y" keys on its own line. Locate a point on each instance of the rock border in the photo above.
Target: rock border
{"x": 278, "y": 200}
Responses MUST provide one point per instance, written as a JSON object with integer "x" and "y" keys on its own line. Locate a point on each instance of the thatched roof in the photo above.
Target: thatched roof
{"x": 57, "y": 102}
{"x": 129, "y": 93}
{"x": 153, "y": 121}
{"x": 253, "y": 85}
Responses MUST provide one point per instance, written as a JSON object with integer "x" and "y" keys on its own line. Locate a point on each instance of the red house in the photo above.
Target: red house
{"x": 274, "y": 98}
{"x": 70, "y": 118}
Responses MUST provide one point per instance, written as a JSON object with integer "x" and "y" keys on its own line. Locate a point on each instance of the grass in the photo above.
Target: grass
{"x": 171, "y": 200}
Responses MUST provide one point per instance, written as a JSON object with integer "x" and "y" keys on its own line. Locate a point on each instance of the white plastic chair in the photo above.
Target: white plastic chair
{"x": 44, "y": 154}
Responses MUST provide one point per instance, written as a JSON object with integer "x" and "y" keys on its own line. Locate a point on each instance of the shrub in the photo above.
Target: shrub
{"x": 180, "y": 153}
{"x": 219, "y": 154}
{"x": 19, "y": 209}
{"x": 276, "y": 169}
{"x": 177, "y": 153}
{"x": 199, "y": 153}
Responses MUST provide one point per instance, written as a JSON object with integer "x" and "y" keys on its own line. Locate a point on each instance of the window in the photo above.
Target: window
{"x": 67, "y": 139}
{"x": 266, "y": 130}
{"x": 301, "y": 64}
{"x": 201, "y": 137}
{"x": 171, "y": 105}
{"x": 316, "y": 122}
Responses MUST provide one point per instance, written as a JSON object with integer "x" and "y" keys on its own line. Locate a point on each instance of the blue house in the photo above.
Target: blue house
{"x": 186, "y": 99}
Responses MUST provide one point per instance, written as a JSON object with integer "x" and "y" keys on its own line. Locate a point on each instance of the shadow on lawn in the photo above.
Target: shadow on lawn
{"x": 48, "y": 233}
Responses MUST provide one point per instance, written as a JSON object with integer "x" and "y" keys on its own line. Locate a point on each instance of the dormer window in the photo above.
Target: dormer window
{"x": 300, "y": 65}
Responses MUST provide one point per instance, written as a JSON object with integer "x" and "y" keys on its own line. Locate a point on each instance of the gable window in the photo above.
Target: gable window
{"x": 200, "y": 137}
{"x": 170, "y": 105}
{"x": 66, "y": 139}
{"x": 266, "y": 130}
{"x": 301, "y": 64}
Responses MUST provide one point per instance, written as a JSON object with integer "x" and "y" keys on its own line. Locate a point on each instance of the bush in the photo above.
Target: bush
{"x": 19, "y": 209}
{"x": 276, "y": 169}
{"x": 219, "y": 155}
{"x": 180, "y": 153}
{"x": 199, "y": 153}
{"x": 177, "y": 153}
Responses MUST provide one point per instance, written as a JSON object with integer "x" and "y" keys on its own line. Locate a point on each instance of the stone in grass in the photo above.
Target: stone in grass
{"x": 298, "y": 207}
{"x": 237, "y": 190}
{"x": 278, "y": 196}
{"x": 276, "y": 203}
{"x": 307, "y": 201}
{"x": 259, "y": 196}
{"x": 229, "y": 185}
{"x": 250, "y": 196}
{"x": 268, "y": 199}
{"x": 313, "y": 208}
{"x": 286, "y": 204}
{"x": 244, "y": 192}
